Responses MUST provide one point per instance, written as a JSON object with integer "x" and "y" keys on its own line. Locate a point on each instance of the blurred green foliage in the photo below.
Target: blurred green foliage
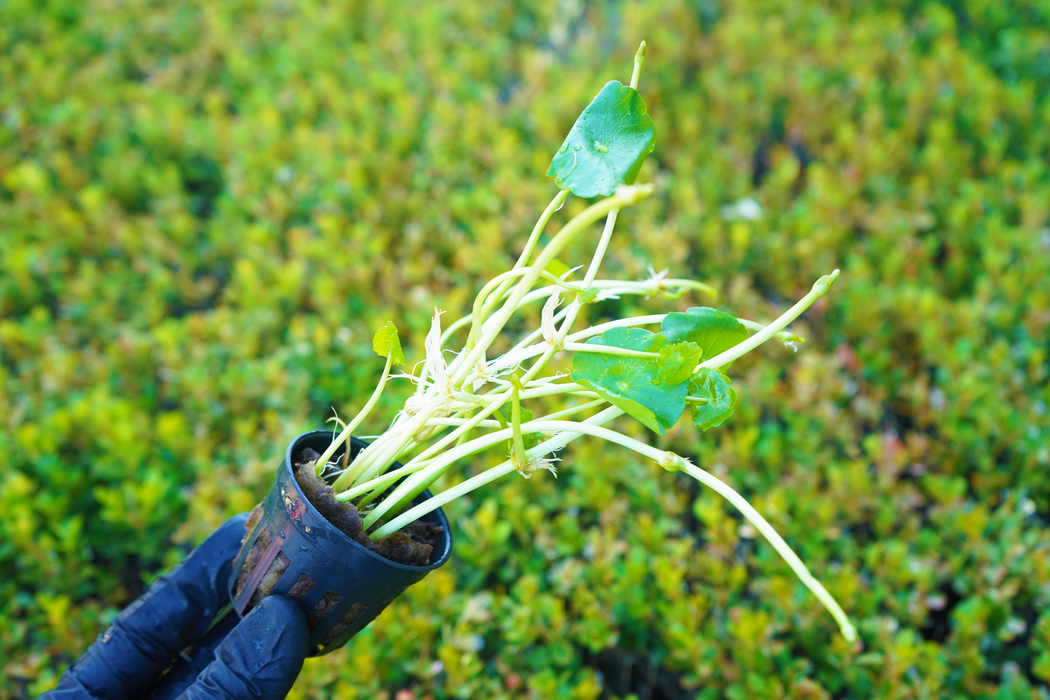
{"x": 207, "y": 208}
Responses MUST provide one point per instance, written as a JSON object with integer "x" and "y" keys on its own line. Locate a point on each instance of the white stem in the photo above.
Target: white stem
{"x": 771, "y": 535}
{"x": 416, "y": 465}
{"x": 440, "y": 499}
{"x": 786, "y": 336}
{"x": 553, "y": 389}
{"x": 358, "y": 419}
{"x": 820, "y": 288}
{"x": 602, "y": 327}
{"x": 608, "y": 350}
{"x": 638, "y": 58}
{"x": 383, "y": 451}
{"x": 526, "y": 253}
{"x": 381, "y": 480}
{"x": 527, "y": 427}
{"x": 560, "y": 240}
{"x": 603, "y": 245}
{"x": 534, "y": 237}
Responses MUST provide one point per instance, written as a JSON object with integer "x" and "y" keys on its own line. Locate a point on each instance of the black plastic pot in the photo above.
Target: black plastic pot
{"x": 340, "y": 584}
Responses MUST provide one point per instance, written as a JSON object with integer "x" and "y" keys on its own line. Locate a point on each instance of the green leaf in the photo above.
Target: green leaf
{"x": 386, "y": 343}
{"x": 607, "y": 145}
{"x": 530, "y": 439}
{"x": 714, "y": 331}
{"x": 632, "y": 384}
{"x": 714, "y": 386}
{"x": 677, "y": 362}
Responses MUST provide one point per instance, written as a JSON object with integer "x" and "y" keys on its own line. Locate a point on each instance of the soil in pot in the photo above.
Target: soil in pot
{"x": 412, "y": 545}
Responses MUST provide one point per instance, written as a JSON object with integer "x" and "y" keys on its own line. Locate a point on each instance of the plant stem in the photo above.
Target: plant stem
{"x": 615, "y": 287}
{"x": 786, "y": 336}
{"x": 526, "y": 253}
{"x": 534, "y": 237}
{"x": 450, "y": 422}
{"x": 603, "y": 243}
{"x": 623, "y": 197}
{"x": 381, "y": 480}
{"x": 507, "y": 467}
{"x": 383, "y": 451}
{"x": 620, "y": 323}
{"x": 820, "y": 288}
{"x": 553, "y": 389}
{"x": 575, "y": 409}
{"x": 352, "y": 425}
{"x": 437, "y": 465}
{"x": 573, "y": 309}
{"x": 600, "y": 250}
{"x": 415, "y": 484}
{"x": 481, "y": 306}
{"x": 782, "y": 548}
{"x": 593, "y": 428}
{"x": 390, "y": 477}
{"x": 515, "y": 418}
{"x": 612, "y": 287}
{"x": 608, "y": 350}
{"x": 639, "y": 57}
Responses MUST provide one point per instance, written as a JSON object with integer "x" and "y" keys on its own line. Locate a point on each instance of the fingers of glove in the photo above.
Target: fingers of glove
{"x": 190, "y": 663}
{"x": 261, "y": 658}
{"x": 126, "y": 659}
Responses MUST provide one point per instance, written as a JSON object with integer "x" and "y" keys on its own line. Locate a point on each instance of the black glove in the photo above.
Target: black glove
{"x": 257, "y": 657}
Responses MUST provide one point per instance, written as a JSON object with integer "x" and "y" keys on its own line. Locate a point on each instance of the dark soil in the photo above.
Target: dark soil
{"x": 412, "y": 545}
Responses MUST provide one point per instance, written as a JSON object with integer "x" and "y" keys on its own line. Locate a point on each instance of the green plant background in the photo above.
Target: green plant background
{"x": 207, "y": 208}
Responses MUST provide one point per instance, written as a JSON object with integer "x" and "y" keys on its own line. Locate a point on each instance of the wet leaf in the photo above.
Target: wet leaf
{"x": 714, "y": 386}
{"x": 607, "y": 145}
{"x": 632, "y": 384}
{"x": 714, "y": 331}
{"x": 387, "y": 344}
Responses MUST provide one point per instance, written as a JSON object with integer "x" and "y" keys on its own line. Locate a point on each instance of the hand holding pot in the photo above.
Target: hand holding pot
{"x": 258, "y": 656}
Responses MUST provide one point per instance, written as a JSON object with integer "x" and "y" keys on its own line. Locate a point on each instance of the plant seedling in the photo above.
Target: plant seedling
{"x": 460, "y": 408}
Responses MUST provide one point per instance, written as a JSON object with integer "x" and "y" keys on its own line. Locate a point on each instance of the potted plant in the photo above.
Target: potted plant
{"x": 348, "y": 524}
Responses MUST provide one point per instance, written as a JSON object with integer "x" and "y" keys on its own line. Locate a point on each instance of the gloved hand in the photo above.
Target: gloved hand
{"x": 257, "y": 657}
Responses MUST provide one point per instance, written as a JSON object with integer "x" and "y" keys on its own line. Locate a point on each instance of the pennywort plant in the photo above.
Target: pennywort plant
{"x": 477, "y": 402}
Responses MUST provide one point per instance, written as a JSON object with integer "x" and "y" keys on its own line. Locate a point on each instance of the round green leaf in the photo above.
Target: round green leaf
{"x": 387, "y": 344}
{"x": 714, "y": 331}
{"x": 677, "y": 362}
{"x": 607, "y": 145}
{"x": 632, "y": 384}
